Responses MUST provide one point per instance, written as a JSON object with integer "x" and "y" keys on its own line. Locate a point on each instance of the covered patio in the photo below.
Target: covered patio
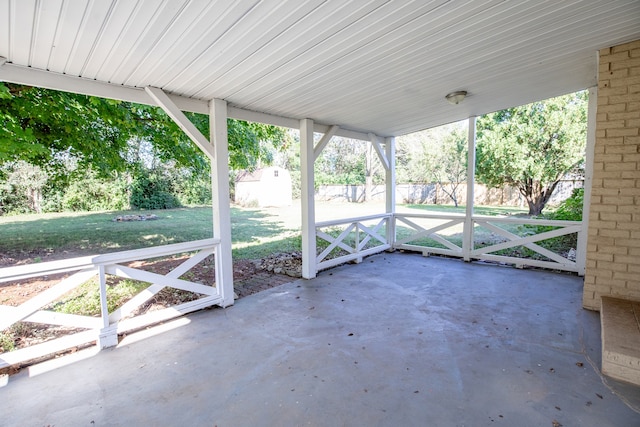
{"x": 397, "y": 340}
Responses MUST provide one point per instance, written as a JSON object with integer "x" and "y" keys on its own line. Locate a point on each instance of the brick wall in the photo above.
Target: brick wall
{"x": 613, "y": 247}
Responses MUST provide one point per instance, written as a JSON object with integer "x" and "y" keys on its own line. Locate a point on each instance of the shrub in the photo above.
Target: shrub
{"x": 152, "y": 191}
{"x": 571, "y": 208}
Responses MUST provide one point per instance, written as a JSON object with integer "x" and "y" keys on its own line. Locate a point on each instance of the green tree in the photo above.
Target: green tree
{"x": 533, "y": 146}
{"x": 437, "y": 155}
{"x": 40, "y": 125}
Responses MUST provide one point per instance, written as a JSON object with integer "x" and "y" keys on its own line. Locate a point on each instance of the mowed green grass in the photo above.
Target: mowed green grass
{"x": 64, "y": 235}
{"x": 255, "y": 233}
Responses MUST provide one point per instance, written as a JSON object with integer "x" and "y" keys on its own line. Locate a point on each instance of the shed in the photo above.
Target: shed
{"x": 264, "y": 187}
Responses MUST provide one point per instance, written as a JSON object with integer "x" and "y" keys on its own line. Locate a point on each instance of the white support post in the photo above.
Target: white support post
{"x": 581, "y": 250}
{"x": 467, "y": 234}
{"x": 108, "y": 337}
{"x": 220, "y": 199}
{"x": 390, "y": 188}
{"x": 307, "y": 157}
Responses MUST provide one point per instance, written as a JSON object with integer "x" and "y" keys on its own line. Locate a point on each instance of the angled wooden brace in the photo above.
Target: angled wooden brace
{"x": 324, "y": 141}
{"x": 172, "y": 110}
{"x": 375, "y": 141}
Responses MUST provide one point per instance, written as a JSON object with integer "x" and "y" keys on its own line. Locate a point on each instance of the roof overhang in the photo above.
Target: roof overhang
{"x": 377, "y": 66}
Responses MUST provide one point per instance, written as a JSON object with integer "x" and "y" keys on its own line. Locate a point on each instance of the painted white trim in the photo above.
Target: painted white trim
{"x": 390, "y": 186}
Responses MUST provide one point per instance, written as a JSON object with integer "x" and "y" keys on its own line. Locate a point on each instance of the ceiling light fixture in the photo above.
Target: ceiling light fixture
{"x": 456, "y": 97}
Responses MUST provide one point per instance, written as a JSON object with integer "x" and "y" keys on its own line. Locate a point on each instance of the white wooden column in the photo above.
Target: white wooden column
{"x": 307, "y": 158}
{"x": 581, "y": 250}
{"x": 390, "y": 187}
{"x": 467, "y": 235}
{"x": 220, "y": 199}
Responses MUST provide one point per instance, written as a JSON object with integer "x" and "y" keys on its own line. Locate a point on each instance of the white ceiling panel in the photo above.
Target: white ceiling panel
{"x": 379, "y": 66}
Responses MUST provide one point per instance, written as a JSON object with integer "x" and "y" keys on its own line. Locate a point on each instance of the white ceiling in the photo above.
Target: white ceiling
{"x": 376, "y": 66}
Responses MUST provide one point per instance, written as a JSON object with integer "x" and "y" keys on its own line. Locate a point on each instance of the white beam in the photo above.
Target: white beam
{"x": 317, "y": 150}
{"x": 467, "y": 234}
{"x": 220, "y": 200}
{"x": 375, "y": 141}
{"x": 181, "y": 120}
{"x": 49, "y": 80}
{"x": 309, "y": 267}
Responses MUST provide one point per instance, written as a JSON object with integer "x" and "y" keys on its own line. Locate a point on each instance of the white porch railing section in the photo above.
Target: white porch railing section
{"x": 104, "y": 330}
{"x": 422, "y": 232}
{"x": 445, "y": 235}
{"x": 351, "y": 239}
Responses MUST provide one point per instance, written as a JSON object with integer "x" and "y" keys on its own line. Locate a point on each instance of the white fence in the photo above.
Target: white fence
{"x": 487, "y": 238}
{"x": 352, "y": 239}
{"x": 104, "y": 330}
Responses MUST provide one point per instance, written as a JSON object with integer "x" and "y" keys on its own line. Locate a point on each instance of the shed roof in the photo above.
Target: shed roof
{"x": 372, "y": 66}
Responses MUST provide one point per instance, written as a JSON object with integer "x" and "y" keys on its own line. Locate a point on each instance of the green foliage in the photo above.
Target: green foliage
{"x": 91, "y": 193}
{"x": 533, "y": 146}
{"x": 571, "y": 208}
{"x": 344, "y": 161}
{"x": 437, "y": 155}
{"x": 152, "y": 191}
{"x": 63, "y": 133}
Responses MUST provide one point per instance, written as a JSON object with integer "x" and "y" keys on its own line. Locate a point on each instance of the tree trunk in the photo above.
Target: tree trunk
{"x": 537, "y": 196}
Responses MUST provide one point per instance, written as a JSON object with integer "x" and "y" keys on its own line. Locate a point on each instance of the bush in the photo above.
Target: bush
{"x": 152, "y": 191}
{"x": 90, "y": 193}
{"x": 571, "y": 208}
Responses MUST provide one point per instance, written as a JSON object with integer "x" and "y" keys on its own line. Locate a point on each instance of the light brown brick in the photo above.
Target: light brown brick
{"x": 625, "y": 81}
{"x": 626, "y": 64}
{"x": 614, "y": 91}
{"x": 615, "y": 108}
{"x": 621, "y": 149}
{"x": 622, "y": 132}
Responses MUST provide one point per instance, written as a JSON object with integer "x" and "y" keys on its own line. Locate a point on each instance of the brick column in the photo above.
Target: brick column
{"x": 613, "y": 246}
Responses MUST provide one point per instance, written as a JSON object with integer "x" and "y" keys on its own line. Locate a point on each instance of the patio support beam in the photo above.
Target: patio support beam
{"x": 467, "y": 235}
{"x": 390, "y": 189}
{"x": 180, "y": 119}
{"x": 581, "y": 250}
{"x": 49, "y": 80}
{"x": 307, "y": 160}
{"x": 220, "y": 199}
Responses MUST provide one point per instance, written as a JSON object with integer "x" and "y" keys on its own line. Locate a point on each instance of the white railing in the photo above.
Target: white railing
{"x": 104, "y": 330}
{"x": 447, "y": 235}
{"x": 352, "y": 238}
{"x": 428, "y": 226}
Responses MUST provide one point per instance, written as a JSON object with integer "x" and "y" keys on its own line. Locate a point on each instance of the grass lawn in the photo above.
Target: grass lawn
{"x": 65, "y": 235}
{"x": 256, "y": 233}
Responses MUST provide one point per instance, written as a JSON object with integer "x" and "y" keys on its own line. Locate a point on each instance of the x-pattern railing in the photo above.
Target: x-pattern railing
{"x": 419, "y": 232}
{"x": 358, "y": 238}
{"x": 421, "y": 237}
{"x": 104, "y": 329}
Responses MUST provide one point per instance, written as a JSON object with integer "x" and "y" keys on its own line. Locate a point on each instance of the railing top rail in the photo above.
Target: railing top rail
{"x": 351, "y": 220}
{"x": 529, "y": 221}
{"x": 431, "y": 216}
{"x": 20, "y": 272}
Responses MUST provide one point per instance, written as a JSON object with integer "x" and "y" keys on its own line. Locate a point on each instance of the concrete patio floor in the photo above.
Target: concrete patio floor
{"x": 399, "y": 340}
